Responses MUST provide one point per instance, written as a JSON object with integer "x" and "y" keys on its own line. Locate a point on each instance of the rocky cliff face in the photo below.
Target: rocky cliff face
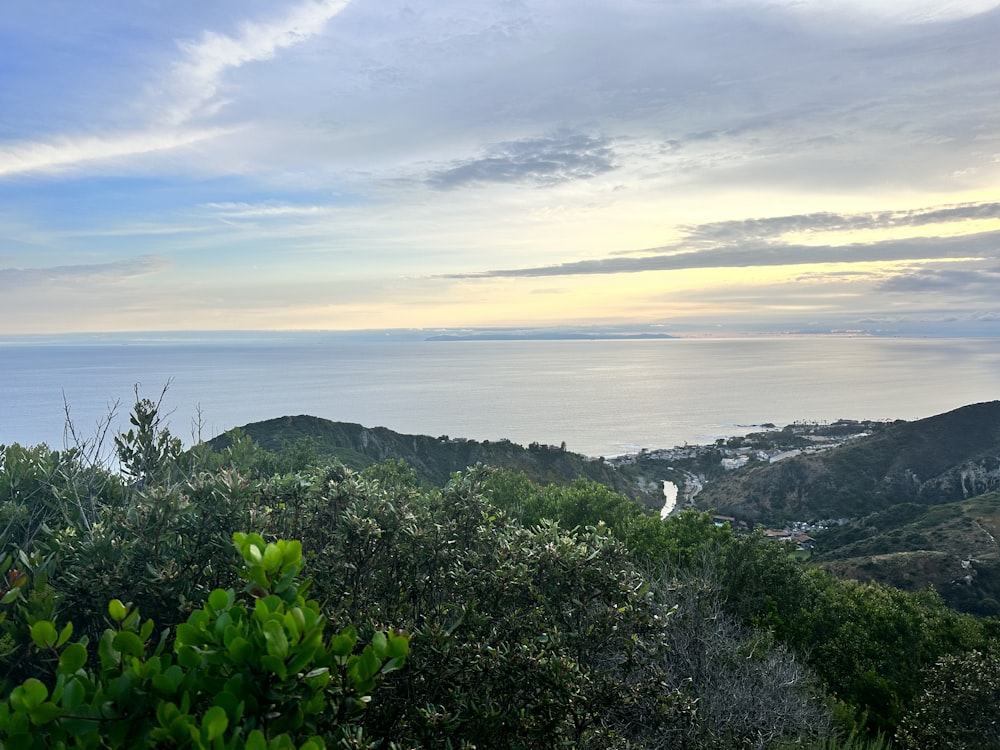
{"x": 970, "y": 479}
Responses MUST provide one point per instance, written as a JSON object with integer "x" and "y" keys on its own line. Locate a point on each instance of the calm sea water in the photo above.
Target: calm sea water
{"x": 600, "y": 397}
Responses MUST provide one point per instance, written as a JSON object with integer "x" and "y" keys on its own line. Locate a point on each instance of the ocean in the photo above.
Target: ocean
{"x": 601, "y": 398}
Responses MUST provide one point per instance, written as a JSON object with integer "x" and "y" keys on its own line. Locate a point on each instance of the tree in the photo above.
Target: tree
{"x": 147, "y": 452}
{"x": 746, "y": 689}
{"x": 522, "y": 637}
{"x": 868, "y": 643}
{"x": 682, "y": 541}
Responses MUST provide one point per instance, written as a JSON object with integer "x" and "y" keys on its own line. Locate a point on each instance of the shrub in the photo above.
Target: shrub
{"x": 957, "y": 707}
{"x": 250, "y": 671}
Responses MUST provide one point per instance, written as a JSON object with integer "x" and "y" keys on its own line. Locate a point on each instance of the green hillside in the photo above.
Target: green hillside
{"x": 908, "y": 499}
{"x": 436, "y": 458}
{"x": 941, "y": 459}
{"x": 952, "y": 546}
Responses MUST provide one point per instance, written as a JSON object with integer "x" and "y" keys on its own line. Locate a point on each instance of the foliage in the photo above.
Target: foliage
{"x": 41, "y": 488}
{"x": 548, "y": 636}
{"x": 952, "y": 546}
{"x": 957, "y": 707}
{"x": 433, "y": 459}
{"x": 851, "y": 741}
{"x": 540, "y": 616}
{"x": 683, "y": 542}
{"x": 254, "y": 673}
{"x": 147, "y": 452}
{"x": 868, "y": 643}
{"x": 748, "y": 691}
{"x": 679, "y": 542}
{"x": 521, "y": 637}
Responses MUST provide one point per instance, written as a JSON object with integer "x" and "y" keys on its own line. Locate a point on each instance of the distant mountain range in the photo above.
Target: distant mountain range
{"x": 545, "y": 335}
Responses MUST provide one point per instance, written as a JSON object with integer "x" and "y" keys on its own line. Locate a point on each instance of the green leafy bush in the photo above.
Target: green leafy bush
{"x": 251, "y": 671}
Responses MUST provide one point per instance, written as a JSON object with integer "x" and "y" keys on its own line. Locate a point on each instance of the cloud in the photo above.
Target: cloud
{"x": 195, "y": 82}
{"x": 75, "y": 275}
{"x": 955, "y": 281}
{"x": 265, "y": 210}
{"x": 535, "y": 161}
{"x": 72, "y": 150}
{"x": 900, "y": 11}
{"x": 766, "y": 228}
{"x": 327, "y": 142}
{"x": 193, "y": 88}
{"x": 751, "y": 243}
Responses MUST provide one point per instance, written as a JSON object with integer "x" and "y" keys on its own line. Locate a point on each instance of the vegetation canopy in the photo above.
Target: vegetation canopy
{"x": 241, "y": 596}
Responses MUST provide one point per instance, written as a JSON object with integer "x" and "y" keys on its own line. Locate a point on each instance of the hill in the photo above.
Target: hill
{"x": 953, "y": 547}
{"x": 915, "y": 504}
{"x": 942, "y": 459}
{"x": 434, "y": 459}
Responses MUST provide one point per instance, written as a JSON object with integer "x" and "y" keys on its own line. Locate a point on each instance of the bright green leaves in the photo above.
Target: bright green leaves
{"x": 73, "y": 658}
{"x": 176, "y": 726}
{"x": 219, "y": 600}
{"x": 257, "y": 741}
{"x": 31, "y": 699}
{"x": 214, "y": 723}
{"x": 117, "y": 610}
{"x": 43, "y": 633}
{"x": 233, "y": 669}
{"x": 73, "y": 695}
{"x": 380, "y": 644}
{"x": 28, "y": 695}
{"x": 168, "y": 681}
{"x": 386, "y": 653}
{"x": 240, "y": 650}
{"x": 128, "y": 644}
{"x": 109, "y": 657}
{"x": 272, "y": 557}
{"x": 343, "y": 644}
{"x": 277, "y": 641}
{"x": 361, "y": 670}
{"x": 269, "y": 567}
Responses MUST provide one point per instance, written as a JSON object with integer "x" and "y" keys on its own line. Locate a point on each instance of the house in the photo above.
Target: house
{"x": 802, "y": 540}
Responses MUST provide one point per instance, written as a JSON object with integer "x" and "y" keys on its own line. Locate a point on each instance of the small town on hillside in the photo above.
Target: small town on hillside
{"x": 693, "y": 466}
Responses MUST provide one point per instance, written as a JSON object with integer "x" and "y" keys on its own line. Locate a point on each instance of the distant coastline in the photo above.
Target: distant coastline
{"x": 543, "y": 335}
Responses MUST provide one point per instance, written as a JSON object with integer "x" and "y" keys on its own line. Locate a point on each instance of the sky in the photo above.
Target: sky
{"x": 690, "y": 166}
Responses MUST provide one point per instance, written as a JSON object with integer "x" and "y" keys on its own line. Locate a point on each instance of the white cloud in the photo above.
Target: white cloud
{"x": 904, "y": 11}
{"x": 23, "y": 279}
{"x": 192, "y": 89}
{"x": 196, "y": 81}
{"x": 69, "y": 151}
{"x": 266, "y": 210}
